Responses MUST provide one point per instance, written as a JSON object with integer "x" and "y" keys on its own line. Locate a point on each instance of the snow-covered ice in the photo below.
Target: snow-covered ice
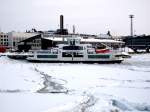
{"x": 59, "y": 87}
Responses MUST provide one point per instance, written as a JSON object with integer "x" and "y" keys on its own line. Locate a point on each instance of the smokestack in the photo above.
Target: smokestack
{"x": 61, "y": 22}
{"x": 61, "y": 30}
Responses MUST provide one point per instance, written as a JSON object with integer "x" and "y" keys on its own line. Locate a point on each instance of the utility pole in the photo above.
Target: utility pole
{"x": 131, "y": 17}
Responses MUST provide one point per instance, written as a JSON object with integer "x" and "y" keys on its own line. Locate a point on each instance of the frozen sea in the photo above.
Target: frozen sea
{"x": 50, "y": 87}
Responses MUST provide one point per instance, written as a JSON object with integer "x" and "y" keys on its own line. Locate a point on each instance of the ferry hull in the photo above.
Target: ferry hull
{"x": 16, "y": 57}
{"x": 54, "y": 61}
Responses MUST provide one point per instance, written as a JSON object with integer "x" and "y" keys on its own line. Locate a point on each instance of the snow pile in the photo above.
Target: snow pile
{"x": 16, "y": 77}
{"x": 101, "y": 103}
{"x": 129, "y": 50}
{"x": 82, "y": 105}
{"x": 46, "y": 87}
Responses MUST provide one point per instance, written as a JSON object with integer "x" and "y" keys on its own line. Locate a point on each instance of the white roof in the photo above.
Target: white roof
{"x": 101, "y": 41}
{"x": 88, "y": 40}
{"x": 57, "y": 39}
{"x": 21, "y": 34}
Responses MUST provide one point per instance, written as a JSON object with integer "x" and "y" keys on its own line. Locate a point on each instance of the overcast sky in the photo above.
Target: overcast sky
{"x": 89, "y": 16}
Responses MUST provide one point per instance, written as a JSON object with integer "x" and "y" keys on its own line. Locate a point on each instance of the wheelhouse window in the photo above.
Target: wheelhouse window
{"x": 72, "y": 48}
{"x": 72, "y": 54}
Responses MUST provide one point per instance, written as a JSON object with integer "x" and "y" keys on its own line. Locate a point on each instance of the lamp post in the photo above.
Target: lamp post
{"x": 131, "y": 17}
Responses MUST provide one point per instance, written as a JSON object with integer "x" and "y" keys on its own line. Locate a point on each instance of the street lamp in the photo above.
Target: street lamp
{"x": 131, "y": 17}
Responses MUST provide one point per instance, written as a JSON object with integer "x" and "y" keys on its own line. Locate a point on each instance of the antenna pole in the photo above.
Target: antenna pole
{"x": 73, "y": 29}
{"x": 131, "y": 18}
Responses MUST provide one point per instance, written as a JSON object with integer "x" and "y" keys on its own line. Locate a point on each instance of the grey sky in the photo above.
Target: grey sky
{"x": 89, "y": 16}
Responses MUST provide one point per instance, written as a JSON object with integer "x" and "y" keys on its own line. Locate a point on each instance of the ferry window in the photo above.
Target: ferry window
{"x": 72, "y": 48}
{"x": 100, "y": 46}
{"x": 85, "y": 37}
{"x": 43, "y": 52}
{"x": 64, "y": 54}
{"x": 55, "y": 51}
{"x": 75, "y": 54}
{"x": 89, "y": 46}
{"x": 90, "y": 51}
{"x": 72, "y": 54}
{"x": 72, "y": 42}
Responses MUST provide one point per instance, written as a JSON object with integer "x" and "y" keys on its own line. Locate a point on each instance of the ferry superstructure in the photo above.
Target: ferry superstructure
{"x": 74, "y": 51}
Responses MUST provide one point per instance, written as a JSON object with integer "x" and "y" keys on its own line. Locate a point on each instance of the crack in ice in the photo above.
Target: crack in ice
{"x": 50, "y": 84}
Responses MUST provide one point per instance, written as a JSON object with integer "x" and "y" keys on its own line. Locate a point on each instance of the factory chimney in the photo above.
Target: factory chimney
{"x": 61, "y": 30}
{"x": 61, "y": 22}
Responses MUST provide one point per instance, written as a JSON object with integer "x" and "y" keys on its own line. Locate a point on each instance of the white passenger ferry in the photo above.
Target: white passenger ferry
{"x": 73, "y": 51}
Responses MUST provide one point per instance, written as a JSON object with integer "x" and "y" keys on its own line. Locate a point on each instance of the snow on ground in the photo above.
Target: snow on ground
{"x": 50, "y": 87}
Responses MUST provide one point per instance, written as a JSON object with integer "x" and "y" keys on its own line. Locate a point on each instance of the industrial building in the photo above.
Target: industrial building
{"x": 3, "y": 39}
{"x": 38, "y": 39}
{"x": 15, "y": 37}
{"x": 138, "y": 42}
{"x": 3, "y": 42}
